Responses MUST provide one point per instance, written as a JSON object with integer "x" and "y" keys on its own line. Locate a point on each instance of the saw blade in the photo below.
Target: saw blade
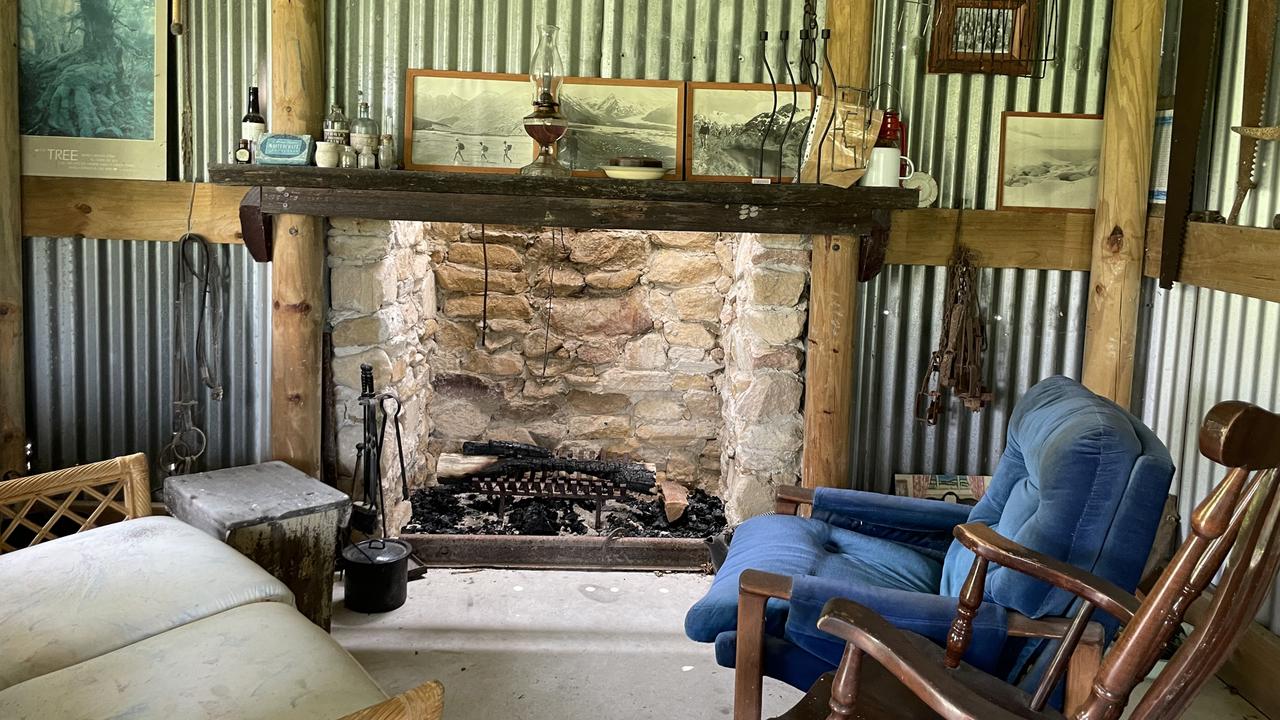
{"x": 1259, "y": 48}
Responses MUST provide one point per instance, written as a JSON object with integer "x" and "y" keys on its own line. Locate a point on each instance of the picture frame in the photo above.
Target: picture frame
{"x": 995, "y": 37}
{"x": 611, "y": 117}
{"x": 725, "y": 124}
{"x": 475, "y": 121}
{"x": 1057, "y": 165}
{"x": 93, "y": 88}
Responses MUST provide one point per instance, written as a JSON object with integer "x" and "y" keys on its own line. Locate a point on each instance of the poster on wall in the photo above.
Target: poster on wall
{"x": 92, "y": 88}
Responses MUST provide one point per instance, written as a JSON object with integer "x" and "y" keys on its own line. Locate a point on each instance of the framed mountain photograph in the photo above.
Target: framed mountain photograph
{"x": 740, "y": 131}
{"x": 611, "y": 118}
{"x": 464, "y": 121}
{"x": 1049, "y": 161}
{"x": 93, "y": 88}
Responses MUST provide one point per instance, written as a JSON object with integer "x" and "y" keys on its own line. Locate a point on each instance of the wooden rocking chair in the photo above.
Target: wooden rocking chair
{"x": 1237, "y": 525}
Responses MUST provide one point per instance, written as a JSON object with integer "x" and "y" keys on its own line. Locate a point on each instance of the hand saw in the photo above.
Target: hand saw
{"x": 1259, "y": 49}
{"x": 1197, "y": 41}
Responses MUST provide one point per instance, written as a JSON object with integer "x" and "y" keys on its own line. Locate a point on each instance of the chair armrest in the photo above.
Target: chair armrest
{"x": 791, "y": 497}
{"x": 425, "y": 702}
{"x": 990, "y": 545}
{"x": 892, "y": 511}
{"x": 942, "y": 690}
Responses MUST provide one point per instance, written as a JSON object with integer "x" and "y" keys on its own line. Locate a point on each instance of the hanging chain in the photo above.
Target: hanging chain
{"x": 957, "y": 363}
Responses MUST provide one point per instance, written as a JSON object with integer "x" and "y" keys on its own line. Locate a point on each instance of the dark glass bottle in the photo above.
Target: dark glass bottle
{"x": 253, "y": 124}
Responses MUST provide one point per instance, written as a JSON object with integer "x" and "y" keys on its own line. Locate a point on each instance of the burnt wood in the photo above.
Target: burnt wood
{"x": 1236, "y": 527}
{"x": 561, "y": 202}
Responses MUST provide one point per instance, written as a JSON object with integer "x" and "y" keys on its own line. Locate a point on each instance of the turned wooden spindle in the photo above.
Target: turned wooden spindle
{"x": 970, "y": 600}
{"x": 844, "y": 687}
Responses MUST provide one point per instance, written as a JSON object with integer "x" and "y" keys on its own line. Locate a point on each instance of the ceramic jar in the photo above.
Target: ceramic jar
{"x": 327, "y": 154}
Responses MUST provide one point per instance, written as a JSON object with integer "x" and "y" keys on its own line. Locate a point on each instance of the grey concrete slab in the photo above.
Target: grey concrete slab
{"x": 220, "y": 501}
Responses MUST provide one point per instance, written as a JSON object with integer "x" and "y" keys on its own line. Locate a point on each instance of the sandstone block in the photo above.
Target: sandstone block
{"x": 501, "y": 257}
{"x": 461, "y": 278}
{"x": 500, "y": 306}
{"x": 675, "y": 433}
{"x": 538, "y": 389}
{"x": 685, "y": 240}
{"x": 598, "y": 403}
{"x": 498, "y": 234}
{"x": 659, "y": 409}
{"x": 609, "y": 250}
{"x": 776, "y": 327}
{"x": 691, "y": 360}
{"x": 346, "y": 369}
{"x": 505, "y": 364}
{"x": 785, "y": 242}
{"x": 361, "y": 226}
{"x": 648, "y": 352}
{"x": 562, "y": 280}
{"x": 702, "y": 404}
{"x": 361, "y": 288}
{"x": 599, "y": 352}
{"x": 776, "y": 287}
{"x": 690, "y": 382}
{"x": 454, "y": 336}
{"x": 361, "y": 331}
{"x": 770, "y": 395}
{"x": 600, "y": 426}
{"x": 357, "y": 249}
{"x": 628, "y": 381}
{"x": 616, "y": 280}
{"x": 624, "y": 315}
{"x": 458, "y": 419}
{"x": 694, "y": 335}
{"x": 778, "y": 257}
{"x": 698, "y": 303}
{"x": 676, "y": 267}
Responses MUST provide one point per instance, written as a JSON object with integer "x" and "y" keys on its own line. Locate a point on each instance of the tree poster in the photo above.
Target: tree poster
{"x": 92, "y": 88}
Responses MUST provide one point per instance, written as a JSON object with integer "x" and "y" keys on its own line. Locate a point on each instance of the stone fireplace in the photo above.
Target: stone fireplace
{"x": 680, "y": 349}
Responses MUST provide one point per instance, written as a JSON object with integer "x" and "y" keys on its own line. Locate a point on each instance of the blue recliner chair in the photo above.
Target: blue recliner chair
{"x": 1080, "y": 480}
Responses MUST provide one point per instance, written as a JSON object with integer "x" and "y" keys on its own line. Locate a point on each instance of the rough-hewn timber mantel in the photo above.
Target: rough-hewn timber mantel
{"x": 567, "y": 202}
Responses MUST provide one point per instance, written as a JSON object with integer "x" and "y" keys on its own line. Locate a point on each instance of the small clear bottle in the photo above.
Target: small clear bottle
{"x": 368, "y": 159}
{"x": 387, "y": 153}
{"x": 364, "y": 129}
{"x": 350, "y": 158}
{"x": 336, "y": 127}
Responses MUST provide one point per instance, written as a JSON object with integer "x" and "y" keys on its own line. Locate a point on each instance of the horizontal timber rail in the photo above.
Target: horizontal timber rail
{"x": 559, "y": 552}
{"x": 567, "y": 202}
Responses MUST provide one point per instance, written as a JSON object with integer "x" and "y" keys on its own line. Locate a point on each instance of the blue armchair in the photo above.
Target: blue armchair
{"x": 1080, "y": 480}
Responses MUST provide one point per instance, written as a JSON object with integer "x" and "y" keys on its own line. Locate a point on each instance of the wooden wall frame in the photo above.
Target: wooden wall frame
{"x": 1004, "y": 136}
{"x": 1017, "y": 60}
{"x": 690, "y": 107}
{"x": 410, "y": 102}
{"x": 677, "y": 171}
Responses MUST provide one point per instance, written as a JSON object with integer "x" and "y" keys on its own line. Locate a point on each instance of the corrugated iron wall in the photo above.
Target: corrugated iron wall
{"x": 100, "y": 314}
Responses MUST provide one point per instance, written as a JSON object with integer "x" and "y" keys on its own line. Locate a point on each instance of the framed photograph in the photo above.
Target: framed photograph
{"x": 93, "y": 88}
{"x": 984, "y": 36}
{"x": 611, "y": 118}
{"x": 1049, "y": 161}
{"x": 739, "y": 131}
{"x": 463, "y": 121}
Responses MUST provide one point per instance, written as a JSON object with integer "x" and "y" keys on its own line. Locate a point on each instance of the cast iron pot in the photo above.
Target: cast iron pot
{"x": 377, "y": 579}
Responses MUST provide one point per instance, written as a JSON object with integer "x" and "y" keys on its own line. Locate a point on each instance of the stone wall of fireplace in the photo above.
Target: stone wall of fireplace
{"x": 678, "y": 349}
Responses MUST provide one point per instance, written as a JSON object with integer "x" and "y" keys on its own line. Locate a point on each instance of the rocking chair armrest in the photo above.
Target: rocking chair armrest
{"x": 425, "y": 702}
{"x": 791, "y": 497}
{"x": 948, "y": 693}
{"x": 991, "y": 545}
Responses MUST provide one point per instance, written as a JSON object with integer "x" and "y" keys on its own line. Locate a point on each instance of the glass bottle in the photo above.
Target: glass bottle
{"x": 364, "y": 129}
{"x": 387, "y": 153}
{"x": 367, "y": 159}
{"x": 242, "y": 155}
{"x": 336, "y": 128}
{"x": 545, "y": 124}
{"x": 253, "y": 124}
{"x": 350, "y": 158}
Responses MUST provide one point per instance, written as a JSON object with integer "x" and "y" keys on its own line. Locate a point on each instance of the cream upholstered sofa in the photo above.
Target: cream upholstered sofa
{"x": 151, "y": 618}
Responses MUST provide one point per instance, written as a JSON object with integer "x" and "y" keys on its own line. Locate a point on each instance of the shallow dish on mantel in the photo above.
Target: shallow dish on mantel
{"x": 623, "y": 172}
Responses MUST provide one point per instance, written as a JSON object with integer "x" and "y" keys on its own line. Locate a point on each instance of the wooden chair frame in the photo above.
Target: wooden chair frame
{"x": 80, "y": 494}
{"x": 425, "y": 702}
{"x": 1079, "y": 653}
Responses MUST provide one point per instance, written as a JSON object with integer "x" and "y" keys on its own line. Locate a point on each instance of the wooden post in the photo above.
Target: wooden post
{"x": 1120, "y": 223}
{"x": 833, "y": 287}
{"x": 13, "y": 426}
{"x": 297, "y": 275}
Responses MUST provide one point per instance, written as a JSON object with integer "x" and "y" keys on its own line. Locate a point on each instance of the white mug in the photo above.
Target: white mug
{"x": 884, "y": 168}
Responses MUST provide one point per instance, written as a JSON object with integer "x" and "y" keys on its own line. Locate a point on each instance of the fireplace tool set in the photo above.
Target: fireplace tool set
{"x": 376, "y": 568}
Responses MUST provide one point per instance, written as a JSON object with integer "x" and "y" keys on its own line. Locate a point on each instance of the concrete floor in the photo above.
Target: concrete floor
{"x": 564, "y": 645}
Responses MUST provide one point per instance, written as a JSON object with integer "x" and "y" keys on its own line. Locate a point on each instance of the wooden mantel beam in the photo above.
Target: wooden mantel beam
{"x": 297, "y": 279}
{"x": 1120, "y": 222}
{"x": 833, "y": 289}
{"x": 13, "y": 426}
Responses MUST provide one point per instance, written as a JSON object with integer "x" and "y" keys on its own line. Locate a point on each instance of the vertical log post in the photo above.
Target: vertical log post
{"x": 13, "y": 432}
{"x": 297, "y": 275}
{"x": 1124, "y": 181}
{"x": 833, "y": 287}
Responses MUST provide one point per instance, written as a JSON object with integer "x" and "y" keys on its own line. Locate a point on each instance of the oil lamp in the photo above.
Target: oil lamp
{"x": 545, "y": 124}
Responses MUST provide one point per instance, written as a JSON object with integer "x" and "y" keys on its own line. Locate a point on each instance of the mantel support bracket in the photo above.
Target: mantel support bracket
{"x": 255, "y": 226}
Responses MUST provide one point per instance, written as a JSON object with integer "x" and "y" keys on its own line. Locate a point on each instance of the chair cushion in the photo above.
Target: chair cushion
{"x": 262, "y": 661}
{"x": 791, "y": 546}
{"x": 75, "y": 598}
{"x": 1071, "y": 460}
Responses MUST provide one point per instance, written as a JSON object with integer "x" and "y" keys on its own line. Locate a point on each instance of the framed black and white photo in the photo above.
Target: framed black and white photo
{"x": 1049, "y": 161}
{"x": 93, "y": 88}
{"x": 739, "y": 131}
{"x": 467, "y": 121}
{"x": 610, "y": 118}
